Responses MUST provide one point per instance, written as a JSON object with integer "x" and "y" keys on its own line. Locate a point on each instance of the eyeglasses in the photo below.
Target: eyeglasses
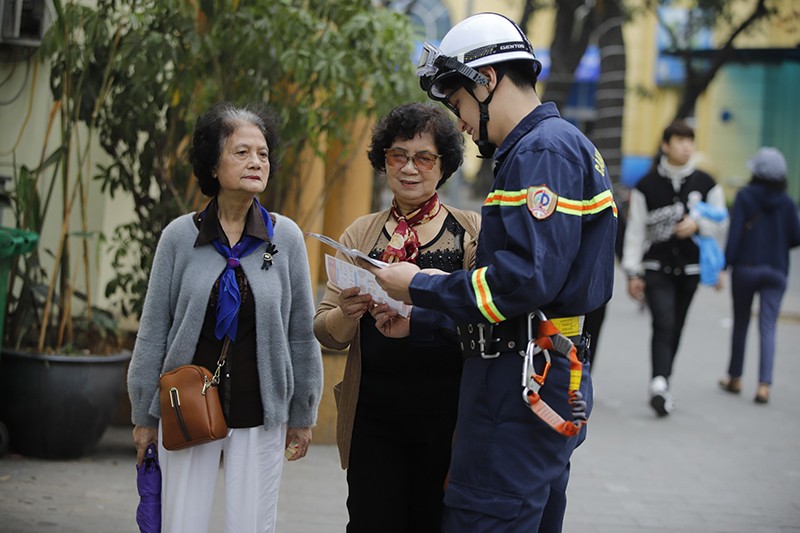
{"x": 450, "y": 106}
{"x": 423, "y": 161}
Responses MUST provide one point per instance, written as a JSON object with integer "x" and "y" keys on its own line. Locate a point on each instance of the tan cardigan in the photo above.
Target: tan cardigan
{"x": 362, "y": 234}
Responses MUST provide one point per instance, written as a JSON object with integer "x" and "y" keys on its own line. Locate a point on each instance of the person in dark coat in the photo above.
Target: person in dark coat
{"x": 764, "y": 227}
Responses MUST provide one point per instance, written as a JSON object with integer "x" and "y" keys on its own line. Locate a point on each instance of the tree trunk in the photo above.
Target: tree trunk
{"x": 528, "y": 9}
{"x": 610, "y": 102}
{"x": 573, "y": 27}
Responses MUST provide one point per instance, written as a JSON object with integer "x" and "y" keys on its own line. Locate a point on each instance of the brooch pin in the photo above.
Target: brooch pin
{"x": 268, "y": 253}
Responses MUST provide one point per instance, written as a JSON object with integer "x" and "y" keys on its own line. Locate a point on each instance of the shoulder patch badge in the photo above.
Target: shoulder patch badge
{"x": 541, "y": 202}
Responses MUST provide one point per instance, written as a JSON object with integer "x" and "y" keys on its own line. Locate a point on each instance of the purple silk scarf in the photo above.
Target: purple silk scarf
{"x": 229, "y": 299}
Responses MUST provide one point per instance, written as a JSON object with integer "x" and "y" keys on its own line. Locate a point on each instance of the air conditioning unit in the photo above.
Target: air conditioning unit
{"x": 24, "y": 22}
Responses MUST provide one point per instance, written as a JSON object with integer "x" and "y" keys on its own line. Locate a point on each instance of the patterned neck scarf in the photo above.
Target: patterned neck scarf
{"x": 404, "y": 244}
{"x": 229, "y": 299}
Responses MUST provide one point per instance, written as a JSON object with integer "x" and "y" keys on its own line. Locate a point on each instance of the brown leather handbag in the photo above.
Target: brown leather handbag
{"x": 191, "y": 412}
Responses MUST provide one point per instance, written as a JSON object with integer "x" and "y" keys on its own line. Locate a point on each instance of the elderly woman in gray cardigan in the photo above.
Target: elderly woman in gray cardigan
{"x": 234, "y": 272}
{"x": 397, "y": 404}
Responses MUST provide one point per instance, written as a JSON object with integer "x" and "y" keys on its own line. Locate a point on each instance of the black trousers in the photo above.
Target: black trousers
{"x": 668, "y": 297}
{"x": 397, "y": 470}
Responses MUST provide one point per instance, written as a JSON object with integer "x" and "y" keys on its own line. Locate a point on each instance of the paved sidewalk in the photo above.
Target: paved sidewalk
{"x": 719, "y": 463}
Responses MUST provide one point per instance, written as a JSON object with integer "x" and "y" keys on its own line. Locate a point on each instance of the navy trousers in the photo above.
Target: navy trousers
{"x": 509, "y": 470}
{"x": 770, "y": 283}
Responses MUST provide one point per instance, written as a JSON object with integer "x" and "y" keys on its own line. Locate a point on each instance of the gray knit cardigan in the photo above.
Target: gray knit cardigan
{"x": 288, "y": 356}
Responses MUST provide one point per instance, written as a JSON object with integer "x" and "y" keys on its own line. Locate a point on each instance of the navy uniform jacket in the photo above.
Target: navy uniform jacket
{"x": 547, "y": 234}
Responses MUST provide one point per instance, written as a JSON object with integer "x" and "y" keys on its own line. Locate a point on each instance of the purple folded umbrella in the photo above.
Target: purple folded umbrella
{"x": 148, "y": 481}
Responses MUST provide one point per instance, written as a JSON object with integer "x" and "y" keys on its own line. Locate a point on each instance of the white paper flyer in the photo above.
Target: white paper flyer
{"x": 351, "y": 252}
{"x": 345, "y": 275}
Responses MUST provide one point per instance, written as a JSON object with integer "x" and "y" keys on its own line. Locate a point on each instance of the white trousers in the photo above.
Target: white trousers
{"x": 252, "y": 465}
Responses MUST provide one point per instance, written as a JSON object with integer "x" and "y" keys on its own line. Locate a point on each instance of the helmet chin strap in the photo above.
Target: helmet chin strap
{"x": 485, "y": 147}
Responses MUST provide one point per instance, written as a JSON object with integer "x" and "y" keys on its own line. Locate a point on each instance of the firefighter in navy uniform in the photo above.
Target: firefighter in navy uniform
{"x": 545, "y": 251}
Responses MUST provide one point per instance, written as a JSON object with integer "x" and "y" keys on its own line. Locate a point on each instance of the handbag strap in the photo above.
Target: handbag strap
{"x": 221, "y": 361}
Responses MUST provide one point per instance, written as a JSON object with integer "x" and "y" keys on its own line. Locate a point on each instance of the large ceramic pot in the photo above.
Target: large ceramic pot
{"x": 58, "y": 406}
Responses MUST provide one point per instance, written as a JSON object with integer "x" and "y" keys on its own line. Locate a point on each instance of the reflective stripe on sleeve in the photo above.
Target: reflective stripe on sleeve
{"x": 602, "y": 201}
{"x": 483, "y": 296}
{"x": 509, "y": 198}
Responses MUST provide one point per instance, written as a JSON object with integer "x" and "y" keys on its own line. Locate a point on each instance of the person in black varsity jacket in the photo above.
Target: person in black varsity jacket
{"x": 659, "y": 254}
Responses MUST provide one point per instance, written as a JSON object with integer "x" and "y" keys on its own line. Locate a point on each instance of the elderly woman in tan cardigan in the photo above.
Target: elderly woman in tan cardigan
{"x": 398, "y": 401}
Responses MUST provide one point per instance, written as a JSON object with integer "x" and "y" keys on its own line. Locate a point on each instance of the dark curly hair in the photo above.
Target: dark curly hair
{"x": 409, "y": 120}
{"x": 213, "y": 129}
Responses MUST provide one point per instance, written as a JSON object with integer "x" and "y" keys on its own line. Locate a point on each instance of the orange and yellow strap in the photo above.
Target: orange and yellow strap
{"x": 548, "y": 337}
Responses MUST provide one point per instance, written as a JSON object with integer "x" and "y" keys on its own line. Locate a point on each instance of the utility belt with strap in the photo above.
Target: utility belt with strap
{"x": 490, "y": 340}
{"x": 530, "y": 336}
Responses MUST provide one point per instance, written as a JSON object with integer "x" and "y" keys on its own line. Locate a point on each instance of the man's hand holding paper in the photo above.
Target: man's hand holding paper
{"x": 396, "y": 278}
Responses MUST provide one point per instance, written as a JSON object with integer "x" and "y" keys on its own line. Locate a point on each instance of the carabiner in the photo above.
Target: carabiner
{"x": 532, "y": 381}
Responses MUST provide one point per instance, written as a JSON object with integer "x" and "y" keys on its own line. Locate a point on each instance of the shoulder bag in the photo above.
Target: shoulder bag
{"x": 191, "y": 412}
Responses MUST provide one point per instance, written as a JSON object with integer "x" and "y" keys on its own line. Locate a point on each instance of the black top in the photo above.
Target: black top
{"x": 400, "y": 376}
{"x": 239, "y": 387}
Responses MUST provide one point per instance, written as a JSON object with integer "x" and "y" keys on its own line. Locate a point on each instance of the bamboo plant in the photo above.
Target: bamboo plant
{"x": 48, "y": 313}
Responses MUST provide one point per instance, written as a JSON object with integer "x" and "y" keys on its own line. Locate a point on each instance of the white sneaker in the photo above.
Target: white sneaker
{"x": 660, "y": 398}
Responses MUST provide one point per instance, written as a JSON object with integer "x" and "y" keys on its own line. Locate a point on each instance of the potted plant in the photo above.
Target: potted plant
{"x": 63, "y": 363}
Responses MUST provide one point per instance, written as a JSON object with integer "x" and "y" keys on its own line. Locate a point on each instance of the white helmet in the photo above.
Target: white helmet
{"x": 482, "y": 39}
